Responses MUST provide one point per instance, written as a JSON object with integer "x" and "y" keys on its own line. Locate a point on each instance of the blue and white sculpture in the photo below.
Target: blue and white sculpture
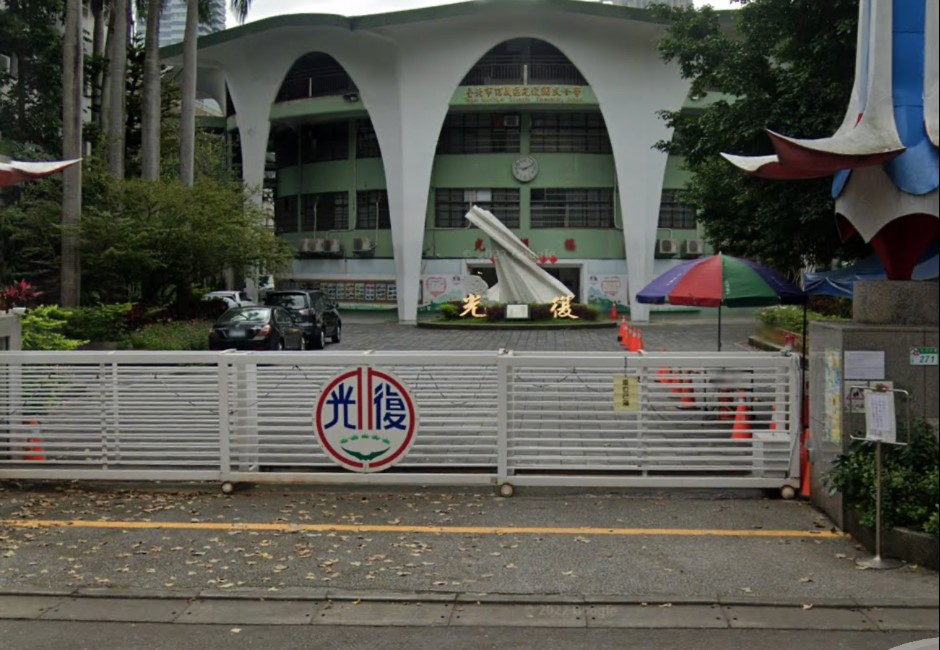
{"x": 884, "y": 156}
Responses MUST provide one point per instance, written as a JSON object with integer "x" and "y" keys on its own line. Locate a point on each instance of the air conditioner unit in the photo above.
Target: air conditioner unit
{"x": 333, "y": 246}
{"x": 693, "y": 248}
{"x": 318, "y": 246}
{"x": 666, "y": 247}
{"x": 511, "y": 121}
{"x": 309, "y": 247}
{"x": 363, "y": 246}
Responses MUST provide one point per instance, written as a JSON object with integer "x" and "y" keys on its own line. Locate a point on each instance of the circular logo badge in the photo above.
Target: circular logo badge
{"x": 365, "y": 420}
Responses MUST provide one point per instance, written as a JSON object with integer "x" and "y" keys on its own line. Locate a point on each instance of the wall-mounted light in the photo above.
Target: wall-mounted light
{"x": 351, "y": 97}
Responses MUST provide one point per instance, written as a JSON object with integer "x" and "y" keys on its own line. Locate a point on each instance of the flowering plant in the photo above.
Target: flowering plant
{"x": 18, "y": 294}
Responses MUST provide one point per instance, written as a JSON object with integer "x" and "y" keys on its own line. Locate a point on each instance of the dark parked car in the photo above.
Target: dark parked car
{"x": 318, "y": 313}
{"x": 257, "y": 328}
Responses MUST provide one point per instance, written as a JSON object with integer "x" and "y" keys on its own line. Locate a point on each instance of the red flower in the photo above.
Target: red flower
{"x": 479, "y": 245}
{"x": 569, "y": 245}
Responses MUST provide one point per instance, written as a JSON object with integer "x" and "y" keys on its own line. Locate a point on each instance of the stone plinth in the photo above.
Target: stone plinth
{"x": 890, "y": 302}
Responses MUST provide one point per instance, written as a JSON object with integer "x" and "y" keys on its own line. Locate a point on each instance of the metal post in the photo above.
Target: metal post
{"x": 878, "y": 562}
{"x": 719, "y": 327}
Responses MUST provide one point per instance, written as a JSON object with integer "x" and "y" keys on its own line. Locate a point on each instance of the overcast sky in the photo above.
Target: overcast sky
{"x": 267, "y": 8}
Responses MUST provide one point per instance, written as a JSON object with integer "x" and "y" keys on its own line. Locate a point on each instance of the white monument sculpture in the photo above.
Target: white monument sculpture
{"x": 519, "y": 278}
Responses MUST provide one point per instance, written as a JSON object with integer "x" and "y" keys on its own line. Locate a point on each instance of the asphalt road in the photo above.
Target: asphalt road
{"x": 32, "y": 635}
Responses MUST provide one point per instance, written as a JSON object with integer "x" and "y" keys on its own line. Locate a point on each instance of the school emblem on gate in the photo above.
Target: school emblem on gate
{"x": 365, "y": 420}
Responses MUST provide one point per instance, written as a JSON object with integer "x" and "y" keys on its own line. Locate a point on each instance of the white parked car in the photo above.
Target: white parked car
{"x": 230, "y": 298}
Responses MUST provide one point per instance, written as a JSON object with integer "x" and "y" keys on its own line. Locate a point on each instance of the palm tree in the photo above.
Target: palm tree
{"x": 117, "y": 86}
{"x": 240, "y": 9}
{"x": 72, "y": 86}
{"x": 98, "y": 42}
{"x": 188, "y": 83}
{"x": 195, "y": 9}
{"x": 150, "y": 119}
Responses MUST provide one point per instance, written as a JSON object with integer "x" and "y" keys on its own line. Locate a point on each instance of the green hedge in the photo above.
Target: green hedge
{"x": 44, "y": 329}
{"x": 175, "y": 335}
{"x": 790, "y": 317}
{"x": 99, "y": 323}
{"x": 910, "y": 480}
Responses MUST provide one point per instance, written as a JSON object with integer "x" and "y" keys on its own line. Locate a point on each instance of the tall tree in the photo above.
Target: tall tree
{"x": 98, "y": 43}
{"x": 196, "y": 10}
{"x": 31, "y": 96}
{"x": 240, "y": 9}
{"x": 786, "y": 65}
{"x": 150, "y": 127}
{"x": 188, "y": 83}
{"x": 117, "y": 73}
{"x": 72, "y": 86}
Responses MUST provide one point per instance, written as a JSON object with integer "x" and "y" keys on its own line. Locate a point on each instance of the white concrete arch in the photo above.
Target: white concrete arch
{"x": 407, "y": 73}
{"x": 620, "y": 61}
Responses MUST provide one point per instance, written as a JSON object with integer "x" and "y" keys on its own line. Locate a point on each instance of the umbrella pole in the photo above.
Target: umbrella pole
{"x": 719, "y": 327}
{"x": 803, "y": 418}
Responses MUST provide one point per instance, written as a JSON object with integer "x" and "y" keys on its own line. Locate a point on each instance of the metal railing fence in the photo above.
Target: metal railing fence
{"x": 526, "y": 418}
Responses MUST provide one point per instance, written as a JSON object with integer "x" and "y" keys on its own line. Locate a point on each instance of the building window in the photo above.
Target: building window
{"x": 315, "y": 75}
{"x": 372, "y": 208}
{"x": 285, "y": 148}
{"x": 451, "y": 206}
{"x": 367, "y": 143}
{"x": 324, "y": 142}
{"x": 572, "y": 208}
{"x": 673, "y": 213}
{"x": 569, "y": 133}
{"x": 325, "y": 211}
{"x": 285, "y": 215}
{"x": 480, "y": 133}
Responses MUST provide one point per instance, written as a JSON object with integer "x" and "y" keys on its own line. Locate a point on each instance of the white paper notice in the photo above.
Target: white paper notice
{"x": 879, "y": 416}
{"x": 864, "y": 364}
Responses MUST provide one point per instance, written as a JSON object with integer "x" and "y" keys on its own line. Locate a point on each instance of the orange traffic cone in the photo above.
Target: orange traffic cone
{"x": 628, "y": 339}
{"x": 773, "y": 417}
{"x": 622, "y": 331}
{"x": 634, "y": 343}
{"x": 806, "y": 467}
{"x": 34, "y": 450}
{"x": 742, "y": 422}
{"x": 639, "y": 340}
{"x": 613, "y": 311}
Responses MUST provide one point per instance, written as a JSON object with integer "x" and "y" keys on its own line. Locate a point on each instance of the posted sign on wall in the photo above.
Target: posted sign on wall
{"x": 923, "y": 356}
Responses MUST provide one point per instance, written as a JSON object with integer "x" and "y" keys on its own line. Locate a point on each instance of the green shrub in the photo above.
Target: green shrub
{"x": 100, "y": 323}
{"x": 176, "y": 335}
{"x": 496, "y": 313}
{"x": 910, "y": 480}
{"x": 450, "y": 311}
{"x": 585, "y": 312}
{"x": 789, "y": 317}
{"x": 43, "y": 329}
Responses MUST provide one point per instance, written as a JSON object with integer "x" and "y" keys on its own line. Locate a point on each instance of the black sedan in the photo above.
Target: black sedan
{"x": 257, "y": 328}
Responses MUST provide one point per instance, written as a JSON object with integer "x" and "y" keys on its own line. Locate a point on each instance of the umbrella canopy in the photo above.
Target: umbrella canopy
{"x": 14, "y": 171}
{"x": 721, "y": 280}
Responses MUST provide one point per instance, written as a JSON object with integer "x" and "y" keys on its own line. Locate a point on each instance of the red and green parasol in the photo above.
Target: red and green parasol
{"x": 721, "y": 281}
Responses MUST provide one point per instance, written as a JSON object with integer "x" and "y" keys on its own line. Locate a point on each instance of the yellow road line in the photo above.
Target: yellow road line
{"x": 381, "y": 528}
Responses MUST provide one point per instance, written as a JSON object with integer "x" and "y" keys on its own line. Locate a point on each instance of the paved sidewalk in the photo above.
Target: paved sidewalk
{"x": 579, "y": 549}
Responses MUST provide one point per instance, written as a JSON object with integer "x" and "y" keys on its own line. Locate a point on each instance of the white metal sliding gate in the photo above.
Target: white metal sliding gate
{"x": 689, "y": 420}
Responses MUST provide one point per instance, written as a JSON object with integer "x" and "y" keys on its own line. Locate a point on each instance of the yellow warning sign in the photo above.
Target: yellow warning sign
{"x": 626, "y": 394}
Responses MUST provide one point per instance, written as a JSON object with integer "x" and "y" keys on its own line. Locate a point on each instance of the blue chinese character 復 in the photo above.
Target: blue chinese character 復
{"x": 390, "y": 411}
